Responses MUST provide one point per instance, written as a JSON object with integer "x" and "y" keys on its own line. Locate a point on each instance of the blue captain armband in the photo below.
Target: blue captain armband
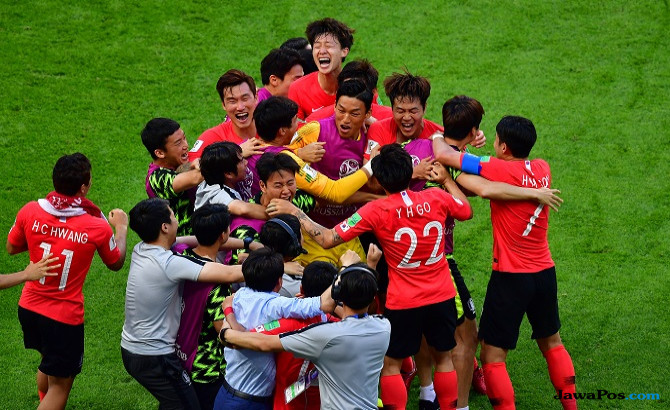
{"x": 470, "y": 164}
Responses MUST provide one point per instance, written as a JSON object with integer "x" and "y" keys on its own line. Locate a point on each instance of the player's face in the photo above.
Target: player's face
{"x": 350, "y": 115}
{"x": 328, "y": 53}
{"x": 290, "y": 132}
{"x": 172, "y": 228}
{"x": 241, "y": 169}
{"x": 280, "y": 184}
{"x": 408, "y": 117}
{"x": 239, "y": 103}
{"x": 176, "y": 149}
{"x": 496, "y": 147}
{"x": 283, "y": 85}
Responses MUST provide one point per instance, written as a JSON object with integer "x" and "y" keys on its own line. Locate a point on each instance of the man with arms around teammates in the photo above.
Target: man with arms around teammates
{"x": 170, "y": 175}
{"x": 420, "y": 299}
{"x": 331, "y": 41}
{"x": 69, "y": 226}
{"x": 523, "y": 280}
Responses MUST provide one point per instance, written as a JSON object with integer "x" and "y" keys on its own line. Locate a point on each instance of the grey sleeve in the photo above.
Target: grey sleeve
{"x": 307, "y": 343}
{"x": 180, "y": 268}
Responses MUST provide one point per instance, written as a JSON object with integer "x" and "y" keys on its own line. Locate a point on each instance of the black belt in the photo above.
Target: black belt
{"x": 245, "y": 396}
{"x": 294, "y": 277}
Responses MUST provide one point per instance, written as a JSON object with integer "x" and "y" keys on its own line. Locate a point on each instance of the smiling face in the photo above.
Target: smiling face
{"x": 350, "y": 114}
{"x": 328, "y": 54}
{"x": 175, "y": 152}
{"x": 239, "y": 103}
{"x": 282, "y": 85}
{"x": 408, "y": 116}
{"x": 280, "y": 184}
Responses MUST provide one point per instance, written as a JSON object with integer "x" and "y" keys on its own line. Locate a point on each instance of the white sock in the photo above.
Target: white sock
{"x": 464, "y": 408}
{"x": 427, "y": 393}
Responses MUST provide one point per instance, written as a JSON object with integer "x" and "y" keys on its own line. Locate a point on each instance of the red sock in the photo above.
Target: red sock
{"x": 394, "y": 393}
{"x": 446, "y": 388}
{"x": 41, "y": 394}
{"x": 499, "y": 386}
{"x": 407, "y": 365}
{"x": 562, "y": 374}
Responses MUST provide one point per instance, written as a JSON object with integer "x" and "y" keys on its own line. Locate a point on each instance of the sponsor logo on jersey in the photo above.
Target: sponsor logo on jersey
{"x": 348, "y": 167}
{"x": 196, "y": 146}
{"x": 317, "y": 109}
{"x": 308, "y": 172}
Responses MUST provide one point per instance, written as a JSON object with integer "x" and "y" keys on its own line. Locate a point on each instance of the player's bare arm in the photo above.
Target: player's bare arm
{"x": 119, "y": 221}
{"x": 327, "y": 238}
{"x": 247, "y": 209}
{"x": 215, "y": 272}
{"x": 188, "y": 176}
{"x": 250, "y": 147}
{"x": 312, "y": 152}
{"x": 444, "y": 154}
{"x": 34, "y": 271}
{"x": 250, "y": 340}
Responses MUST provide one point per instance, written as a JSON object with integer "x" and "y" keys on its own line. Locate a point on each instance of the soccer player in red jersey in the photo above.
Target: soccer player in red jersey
{"x": 420, "y": 297}
{"x": 69, "y": 226}
{"x": 237, "y": 91}
{"x": 331, "y": 41}
{"x": 523, "y": 280}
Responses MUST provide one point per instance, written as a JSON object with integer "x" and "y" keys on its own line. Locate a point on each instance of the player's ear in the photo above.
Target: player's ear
{"x": 159, "y": 153}
{"x": 274, "y": 80}
{"x": 264, "y": 188}
{"x": 345, "y": 52}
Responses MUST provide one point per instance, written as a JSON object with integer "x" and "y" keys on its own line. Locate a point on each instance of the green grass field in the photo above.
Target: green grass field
{"x": 593, "y": 76}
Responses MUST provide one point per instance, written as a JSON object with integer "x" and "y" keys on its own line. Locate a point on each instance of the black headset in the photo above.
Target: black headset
{"x": 336, "y": 290}
{"x": 295, "y": 248}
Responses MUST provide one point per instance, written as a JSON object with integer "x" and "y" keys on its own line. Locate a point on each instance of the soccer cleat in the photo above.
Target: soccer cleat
{"x": 429, "y": 405}
{"x": 478, "y": 381}
{"x": 408, "y": 372}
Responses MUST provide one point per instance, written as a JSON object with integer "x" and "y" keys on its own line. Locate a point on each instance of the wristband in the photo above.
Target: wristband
{"x": 247, "y": 243}
{"x": 222, "y": 335}
{"x": 368, "y": 167}
{"x": 437, "y": 135}
{"x": 228, "y": 310}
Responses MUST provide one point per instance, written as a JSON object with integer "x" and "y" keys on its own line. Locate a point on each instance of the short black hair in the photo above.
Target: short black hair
{"x": 71, "y": 172}
{"x": 459, "y": 115}
{"x": 393, "y": 168}
{"x": 317, "y": 277}
{"x": 269, "y": 163}
{"x": 262, "y": 269}
{"x": 279, "y": 62}
{"x": 233, "y": 78}
{"x": 357, "y": 89}
{"x": 272, "y": 114}
{"x": 295, "y": 43}
{"x": 518, "y": 133}
{"x": 358, "y": 288}
{"x": 275, "y": 236}
{"x": 361, "y": 69}
{"x": 156, "y": 132}
{"x": 407, "y": 86}
{"x": 308, "y": 64}
{"x": 148, "y": 216}
{"x": 217, "y": 159}
{"x": 343, "y": 33}
{"x": 209, "y": 222}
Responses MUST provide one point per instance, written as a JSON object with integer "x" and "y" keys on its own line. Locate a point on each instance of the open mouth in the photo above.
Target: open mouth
{"x": 345, "y": 128}
{"x": 184, "y": 157}
{"x": 407, "y": 126}
{"x": 324, "y": 62}
{"x": 242, "y": 117}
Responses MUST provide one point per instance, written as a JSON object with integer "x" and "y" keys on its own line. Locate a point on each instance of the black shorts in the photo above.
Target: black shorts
{"x": 61, "y": 345}
{"x": 511, "y": 295}
{"x": 465, "y": 306}
{"x": 437, "y": 322}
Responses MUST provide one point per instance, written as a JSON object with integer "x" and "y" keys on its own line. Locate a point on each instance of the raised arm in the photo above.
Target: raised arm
{"x": 444, "y": 154}
{"x": 327, "y": 238}
{"x": 506, "y": 192}
{"x": 190, "y": 177}
{"x": 119, "y": 220}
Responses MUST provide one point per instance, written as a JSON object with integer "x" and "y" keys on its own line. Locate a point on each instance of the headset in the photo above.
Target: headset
{"x": 295, "y": 248}
{"x": 336, "y": 290}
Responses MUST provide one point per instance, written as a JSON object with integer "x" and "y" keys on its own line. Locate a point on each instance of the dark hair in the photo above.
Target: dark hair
{"x": 70, "y": 173}
{"x": 355, "y": 89}
{"x": 295, "y": 43}
{"x": 393, "y": 168}
{"x": 148, "y": 216}
{"x": 459, "y": 115}
{"x": 362, "y": 70}
{"x": 518, "y": 133}
{"x": 156, "y": 132}
{"x": 407, "y": 86}
{"x": 317, "y": 277}
{"x": 274, "y": 236}
{"x": 279, "y": 62}
{"x": 232, "y": 78}
{"x": 339, "y": 30}
{"x": 209, "y": 222}
{"x": 307, "y": 61}
{"x": 262, "y": 269}
{"x": 269, "y": 163}
{"x": 272, "y": 114}
{"x": 217, "y": 159}
{"x": 357, "y": 287}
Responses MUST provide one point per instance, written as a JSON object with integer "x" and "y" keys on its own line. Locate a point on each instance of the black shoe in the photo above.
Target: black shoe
{"x": 429, "y": 405}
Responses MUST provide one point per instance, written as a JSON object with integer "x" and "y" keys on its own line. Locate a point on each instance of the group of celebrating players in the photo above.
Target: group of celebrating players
{"x": 303, "y": 177}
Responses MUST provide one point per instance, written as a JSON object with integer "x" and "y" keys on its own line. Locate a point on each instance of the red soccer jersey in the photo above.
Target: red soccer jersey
{"x": 74, "y": 241}
{"x": 384, "y": 132}
{"x": 222, "y": 132}
{"x": 309, "y": 95}
{"x": 410, "y": 228}
{"x": 379, "y": 112}
{"x": 288, "y": 367}
{"x": 519, "y": 227}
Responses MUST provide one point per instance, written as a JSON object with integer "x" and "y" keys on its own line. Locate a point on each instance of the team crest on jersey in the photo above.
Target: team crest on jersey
{"x": 112, "y": 243}
{"x": 371, "y": 145}
{"x": 348, "y": 167}
{"x": 244, "y": 186}
{"x": 196, "y": 146}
